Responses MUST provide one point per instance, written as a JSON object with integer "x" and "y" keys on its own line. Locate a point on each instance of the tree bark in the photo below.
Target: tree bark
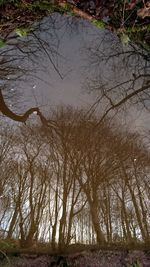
{"x": 96, "y": 224}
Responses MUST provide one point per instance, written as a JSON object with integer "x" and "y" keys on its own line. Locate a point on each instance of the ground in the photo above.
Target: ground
{"x": 127, "y": 18}
{"x": 97, "y": 258}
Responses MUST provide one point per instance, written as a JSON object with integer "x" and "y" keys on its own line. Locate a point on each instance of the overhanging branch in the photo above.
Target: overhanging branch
{"x": 23, "y": 118}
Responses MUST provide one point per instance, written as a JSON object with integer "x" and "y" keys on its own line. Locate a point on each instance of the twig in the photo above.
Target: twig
{"x": 46, "y": 52}
{"x": 5, "y": 257}
{"x": 23, "y": 118}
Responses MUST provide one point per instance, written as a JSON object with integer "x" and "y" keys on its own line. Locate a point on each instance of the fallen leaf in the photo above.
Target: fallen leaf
{"x": 144, "y": 12}
{"x": 131, "y": 5}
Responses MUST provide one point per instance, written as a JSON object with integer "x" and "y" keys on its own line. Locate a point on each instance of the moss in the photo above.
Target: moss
{"x": 42, "y": 6}
{"x": 99, "y": 23}
{"x": 2, "y": 43}
{"x": 6, "y": 244}
{"x": 47, "y": 6}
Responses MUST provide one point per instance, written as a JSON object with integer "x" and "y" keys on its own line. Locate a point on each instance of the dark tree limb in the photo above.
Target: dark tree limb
{"x": 4, "y": 109}
{"x": 8, "y": 113}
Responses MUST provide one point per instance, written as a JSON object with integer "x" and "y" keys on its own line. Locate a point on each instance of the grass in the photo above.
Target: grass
{"x": 136, "y": 264}
{"x": 97, "y": 258}
{"x": 79, "y": 254}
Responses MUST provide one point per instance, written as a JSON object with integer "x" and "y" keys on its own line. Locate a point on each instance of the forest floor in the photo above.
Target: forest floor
{"x": 130, "y": 19}
{"x": 98, "y": 258}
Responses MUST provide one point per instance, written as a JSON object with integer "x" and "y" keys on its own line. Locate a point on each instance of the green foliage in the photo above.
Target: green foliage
{"x": 6, "y": 244}
{"x": 136, "y": 34}
{"x": 47, "y": 6}
{"x": 43, "y": 6}
{"x": 99, "y": 23}
{"x": 22, "y": 32}
{"x": 63, "y": 9}
{"x": 135, "y": 264}
{"x": 125, "y": 39}
{"x": 66, "y": 8}
{"x": 138, "y": 29}
{"x": 71, "y": 13}
{"x": 4, "y": 2}
{"x": 39, "y": 5}
{"x": 2, "y": 43}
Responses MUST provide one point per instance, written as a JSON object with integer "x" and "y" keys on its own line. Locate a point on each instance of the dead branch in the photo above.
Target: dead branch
{"x": 4, "y": 109}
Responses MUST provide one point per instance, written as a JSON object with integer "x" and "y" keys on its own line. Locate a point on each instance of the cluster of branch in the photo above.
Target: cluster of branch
{"x": 4, "y": 109}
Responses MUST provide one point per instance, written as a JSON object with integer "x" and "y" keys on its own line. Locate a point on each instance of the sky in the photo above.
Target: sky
{"x": 69, "y": 90}
{"x": 68, "y": 43}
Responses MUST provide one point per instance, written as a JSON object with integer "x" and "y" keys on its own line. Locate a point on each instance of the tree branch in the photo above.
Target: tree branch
{"x": 124, "y": 100}
{"x": 8, "y": 113}
{"x": 23, "y": 118}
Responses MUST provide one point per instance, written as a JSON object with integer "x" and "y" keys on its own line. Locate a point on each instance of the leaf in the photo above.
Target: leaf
{"x": 2, "y": 43}
{"x": 131, "y": 4}
{"x": 22, "y": 32}
{"x": 125, "y": 39}
{"x": 45, "y": 6}
{"x": 99, "y": 23}
{"x": 144, "y": 12}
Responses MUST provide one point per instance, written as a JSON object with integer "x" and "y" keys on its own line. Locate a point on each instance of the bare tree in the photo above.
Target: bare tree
{"x": 128, "y": 81}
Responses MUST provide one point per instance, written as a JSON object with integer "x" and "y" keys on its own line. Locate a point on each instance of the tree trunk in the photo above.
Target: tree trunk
{"x": 96, "y": 224}
{"x": 137, "y": 212}
{"x": 12, "y": 223}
